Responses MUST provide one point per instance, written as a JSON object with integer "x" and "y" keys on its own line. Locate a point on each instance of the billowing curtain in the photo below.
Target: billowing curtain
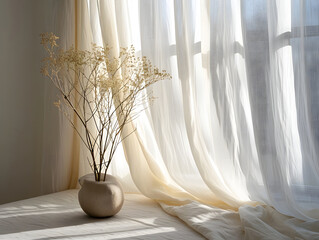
{"x": 230, "y": 145}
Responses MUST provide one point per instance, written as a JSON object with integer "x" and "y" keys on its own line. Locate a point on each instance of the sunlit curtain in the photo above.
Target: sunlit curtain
{"x": 237, "y": 125}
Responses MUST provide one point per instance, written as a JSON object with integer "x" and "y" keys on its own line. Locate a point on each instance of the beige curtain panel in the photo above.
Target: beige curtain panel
{"x": 230, "y": 144}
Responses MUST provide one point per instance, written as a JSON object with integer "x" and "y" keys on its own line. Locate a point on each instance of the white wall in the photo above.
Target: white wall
{"x": 21, "y": 96}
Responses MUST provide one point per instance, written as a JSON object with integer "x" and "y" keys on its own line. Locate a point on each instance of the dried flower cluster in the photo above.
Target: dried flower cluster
{"x": 101, "y": 90}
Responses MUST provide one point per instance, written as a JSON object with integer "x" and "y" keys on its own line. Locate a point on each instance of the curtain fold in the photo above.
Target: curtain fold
{"x": 237, "y": 126}
{"x": 59, "y": 168}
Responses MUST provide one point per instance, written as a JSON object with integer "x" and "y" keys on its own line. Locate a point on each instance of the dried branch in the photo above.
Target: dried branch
{"x": 102, "y": 91}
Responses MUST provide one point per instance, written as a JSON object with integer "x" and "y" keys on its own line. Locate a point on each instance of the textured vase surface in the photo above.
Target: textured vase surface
{"x": 100, "y": 199}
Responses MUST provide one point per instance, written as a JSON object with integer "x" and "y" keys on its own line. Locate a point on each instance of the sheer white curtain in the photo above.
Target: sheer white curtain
{"x": 237, "y": 124}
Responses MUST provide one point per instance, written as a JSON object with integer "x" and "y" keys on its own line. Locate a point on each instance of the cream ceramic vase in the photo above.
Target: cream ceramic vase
{"x": 100, "y": 199}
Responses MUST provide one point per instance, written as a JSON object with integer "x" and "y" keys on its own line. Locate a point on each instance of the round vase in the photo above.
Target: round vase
{"x": 100, "y": 198}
